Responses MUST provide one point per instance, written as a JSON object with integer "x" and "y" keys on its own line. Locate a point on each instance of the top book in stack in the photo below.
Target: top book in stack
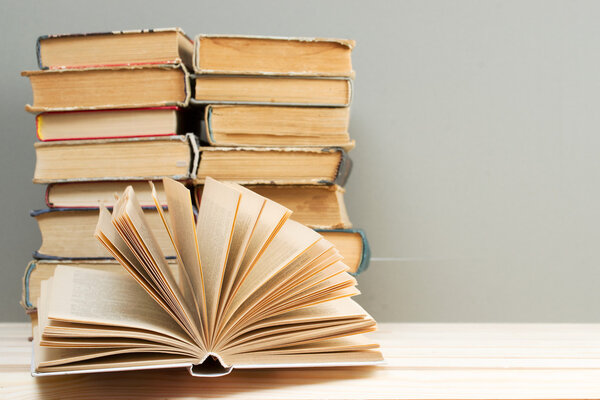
{"x": 273, "y": 71}
{"x": 125, "y": 69}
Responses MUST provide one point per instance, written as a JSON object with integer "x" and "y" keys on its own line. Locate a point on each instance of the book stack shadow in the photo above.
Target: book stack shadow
{"x": 124, "y": 108}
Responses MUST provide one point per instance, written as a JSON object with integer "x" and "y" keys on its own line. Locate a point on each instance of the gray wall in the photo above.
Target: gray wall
{"x": 477, "y": 169}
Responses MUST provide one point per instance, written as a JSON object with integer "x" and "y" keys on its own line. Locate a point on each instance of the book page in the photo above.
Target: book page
{"x": 261, "y": 307}
{"x": 216, "y": 219}
{"x": 107, "y": 298}
{"x": 249, "y": 210}
{"x": 183, "y": 234}
{"x": 320, "y": 331}
{"x": 289, "y": 245}
{"x": 129, "y": 220}
{"x": 344, "y": 308}
{"x": 270, "y": 221}
{"x": 118, "y": 248}
{"x": 245, "y": 308}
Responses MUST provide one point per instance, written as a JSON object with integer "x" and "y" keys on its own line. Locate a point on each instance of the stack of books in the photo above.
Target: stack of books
{"x": 111, "y": 111}
{"x": 122, "y": 108}
{"x": 276, "y": 116}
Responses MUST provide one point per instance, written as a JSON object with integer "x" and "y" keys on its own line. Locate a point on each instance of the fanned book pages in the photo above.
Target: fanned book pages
{"x": 255, "y": 290}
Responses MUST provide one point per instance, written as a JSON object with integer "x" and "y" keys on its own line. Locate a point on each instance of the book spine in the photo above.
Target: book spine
{"x": 42, "y": 256}
{"x": 38, "y": 51}
{"x": 47, "y": 196}
{"x": 35, "y": 213}
{"x": 207, "y": 133}
{"x": 25, "y": 301}
{"x": 195, "y": 155}
{"x": 344, "y": 169}
{"x": 365, "y": 258}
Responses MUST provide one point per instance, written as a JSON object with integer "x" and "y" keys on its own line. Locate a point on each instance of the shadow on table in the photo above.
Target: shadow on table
{"x": 178, "y": 383}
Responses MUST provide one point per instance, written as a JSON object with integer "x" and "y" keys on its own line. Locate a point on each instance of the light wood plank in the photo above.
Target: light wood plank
{"x": 424, "y": 361}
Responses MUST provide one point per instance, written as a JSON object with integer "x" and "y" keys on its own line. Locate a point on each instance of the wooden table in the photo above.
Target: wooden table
{"x": 423, "y": 361}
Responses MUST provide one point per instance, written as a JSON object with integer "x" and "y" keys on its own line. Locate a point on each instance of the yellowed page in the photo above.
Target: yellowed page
{"x": 216, "y": 219}
{"x": 275, "y": 332}
{"x": 245, "y": 308}
{"x": 290, "y": 243}
{"x": 261, "y": 307}
{"x": 107, "y": 298}
{"x": 128, "y": 218}
{"x": 320, "y": 331}
{"x": 349, "y": 343}
{"x": 270, "y": 221}
{"x": 119, "y": 249}
{"x": 183, "y": 234}
{"x": 344, "y": 308}
{"x": 249, "y": 210}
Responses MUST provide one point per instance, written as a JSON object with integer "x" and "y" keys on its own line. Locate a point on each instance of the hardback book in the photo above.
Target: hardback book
{"x": 145, "y": 158}
{"x": 137, "y": 86}
{"x": 316, "y": 206}
{"x": 97, "y": 193}
{"x": 353, "y": 245}
{"x": 263, "y": 55}
{"x": 247, "y": 125}
{"x": 111, "y": 124}
{"x": 281, "y": 166}
{"x": 84, "y": 50}
{"x": 68, "y": 233}
{"x": 40, "y": 270}
{"x": 273, "y": 90}
{"x": 257, "y": 290}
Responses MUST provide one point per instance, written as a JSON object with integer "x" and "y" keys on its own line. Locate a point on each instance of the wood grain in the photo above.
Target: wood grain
{"x": 424, "y": 361}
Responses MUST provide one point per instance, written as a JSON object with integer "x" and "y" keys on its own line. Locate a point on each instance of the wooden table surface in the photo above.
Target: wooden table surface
{"x": 424, "y": 361}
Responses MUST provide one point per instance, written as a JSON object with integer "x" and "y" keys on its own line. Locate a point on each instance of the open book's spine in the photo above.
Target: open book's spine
{"x": 365, "y": 258}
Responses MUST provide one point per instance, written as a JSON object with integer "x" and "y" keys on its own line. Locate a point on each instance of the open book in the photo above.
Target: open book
{"x": 255, "y": 289}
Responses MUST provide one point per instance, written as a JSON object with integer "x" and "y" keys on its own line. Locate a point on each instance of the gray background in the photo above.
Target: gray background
{"x": 477, "y": 169}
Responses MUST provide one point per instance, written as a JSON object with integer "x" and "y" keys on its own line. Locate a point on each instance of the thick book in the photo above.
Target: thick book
{"x": 269, "y": 55}
{"x": 257, "y": 290}
{"x": 273, "y": 90}
{"x": 248, "y": 125}
{"x": 38, "y": 271}
{"x": 280, "y": 166}
{"x": 94, "y": 194}
{"x": 111, "y": 124}
{"x": 68, "y": 233}
{"x": 353, "y": 245}
{"x": 142, "y": 46}
{"x": 316, "y": 206}
{"x": 109, "y": 87}
{"x": 145, "y": 158}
